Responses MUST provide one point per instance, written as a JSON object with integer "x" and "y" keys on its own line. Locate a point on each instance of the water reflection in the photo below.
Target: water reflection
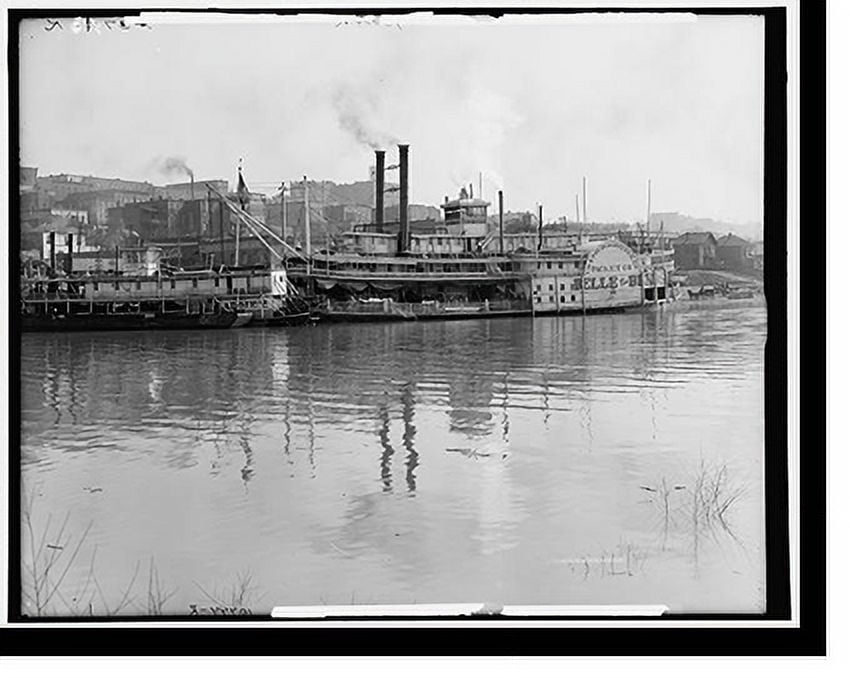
{"x": 408, "y": 438}
{"x": 521, "y": 443}
{"x": 387, "y": 450}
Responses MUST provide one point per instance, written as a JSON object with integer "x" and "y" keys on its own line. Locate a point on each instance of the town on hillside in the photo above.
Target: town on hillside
{"x": 105, "y": 213}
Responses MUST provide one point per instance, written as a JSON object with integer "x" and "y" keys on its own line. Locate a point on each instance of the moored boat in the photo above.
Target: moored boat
{"x": 179, "y": 300}
{"x": 79, "y": 316}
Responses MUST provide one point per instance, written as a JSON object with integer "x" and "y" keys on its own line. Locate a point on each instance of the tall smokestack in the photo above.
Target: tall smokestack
{"x": 404, "y": 234}
{"x": 70, "y": 261}
{"x": 51, "y": 242}
{"x": 501, "y": 225}
{"x": 191, "y": 185}
{"x": 540, "y": 227}
{"x": 379, "y": 188}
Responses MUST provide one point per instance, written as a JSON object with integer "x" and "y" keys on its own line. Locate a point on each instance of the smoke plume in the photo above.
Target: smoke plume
{"x": 174, "y": 165}
{"x": 354, "y": 113}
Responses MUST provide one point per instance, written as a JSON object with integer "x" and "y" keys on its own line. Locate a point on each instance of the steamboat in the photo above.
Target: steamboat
{"x": 464, "y": 266}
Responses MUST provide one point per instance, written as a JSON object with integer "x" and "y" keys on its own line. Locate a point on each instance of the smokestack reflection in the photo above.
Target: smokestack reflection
{"x": 387, "y": 450}
{"x": 407, "y": 412}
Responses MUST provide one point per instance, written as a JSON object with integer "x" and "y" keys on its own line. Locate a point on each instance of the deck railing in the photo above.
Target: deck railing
{"x": 427, "y": 308}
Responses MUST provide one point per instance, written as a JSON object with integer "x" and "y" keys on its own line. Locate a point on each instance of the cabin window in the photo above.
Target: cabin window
{"x": 572, "y": 297}
{"x": 216, "y": 282}
{"x": 562, "y": 299}
{"x": 172, "y": 284}
{"x": 537, "y": 288}
{"x": 560, "y": 265}
{"x": 115, "y": 284}
{"x": 138, "y": 284}
{"x": 95, "y": 286}
{"x": 551, "y": 287}
{"x": 194, "y": 282}
{"x": 549, "y": 264}
{"x": 562, "y": 287}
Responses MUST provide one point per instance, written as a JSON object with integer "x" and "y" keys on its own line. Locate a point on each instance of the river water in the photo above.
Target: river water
{"x": 558, "y": 460}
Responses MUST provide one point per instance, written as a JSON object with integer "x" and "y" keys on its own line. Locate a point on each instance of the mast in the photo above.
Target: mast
{"x": 584, "y": 200}
{"x": 236, "y": 253}
{"x": 238, "y": 223}
{"x": 283, "y": 210}
{"x": 648, "y": 207}
{"x": 307, "y": 227}
{"x": 221, "y": 231}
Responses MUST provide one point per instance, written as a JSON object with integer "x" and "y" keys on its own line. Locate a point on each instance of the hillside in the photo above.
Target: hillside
{"x": 682, "y": 223}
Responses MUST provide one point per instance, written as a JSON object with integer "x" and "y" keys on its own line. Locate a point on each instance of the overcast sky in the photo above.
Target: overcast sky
{"x": 533, "y": 107}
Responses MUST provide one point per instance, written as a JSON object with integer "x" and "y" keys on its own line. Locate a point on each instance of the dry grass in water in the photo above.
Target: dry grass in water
{"x": 703, "y": 505}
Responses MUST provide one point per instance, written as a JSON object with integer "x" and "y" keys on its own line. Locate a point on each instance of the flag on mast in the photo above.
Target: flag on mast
{"x": 242, "y": 190}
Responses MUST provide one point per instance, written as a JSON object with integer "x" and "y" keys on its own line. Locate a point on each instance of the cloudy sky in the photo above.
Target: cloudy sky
{"x": 533, "y": 103}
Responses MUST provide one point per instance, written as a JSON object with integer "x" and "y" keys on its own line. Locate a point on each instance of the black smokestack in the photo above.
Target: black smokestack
{"x": 501, "y": 225}
{"x": 70, "y": 261}
{"x": 540, "y": 227}
{"x": 379, "y": 188}
{"x": 51, "y": 241}
{"x": 404, "y": 233}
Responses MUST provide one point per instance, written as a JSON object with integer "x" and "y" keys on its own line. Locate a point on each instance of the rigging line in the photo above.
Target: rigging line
{"x": 245, "y": 216}
{"x": 256, "y": 233}
{"x": 265, "y": 228}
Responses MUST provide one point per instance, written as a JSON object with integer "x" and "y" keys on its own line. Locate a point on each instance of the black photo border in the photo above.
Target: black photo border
{"x": 492, "y": 635}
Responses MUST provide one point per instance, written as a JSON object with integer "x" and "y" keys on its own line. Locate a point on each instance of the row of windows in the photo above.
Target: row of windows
{"x": 117, "y": 285}
{"x": 551, "y": 298}
{"x": 561, "y": 265}
{"x": 551, "y": 287}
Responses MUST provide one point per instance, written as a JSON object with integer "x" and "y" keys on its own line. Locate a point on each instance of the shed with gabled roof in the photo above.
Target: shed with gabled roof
{"x": 694, "y": 250}
{"x": 732, "y": 253}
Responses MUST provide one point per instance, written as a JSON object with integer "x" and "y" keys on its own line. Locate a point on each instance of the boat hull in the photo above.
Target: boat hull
{"x": 282, "y": 320}
{"x": 126, "y": 322}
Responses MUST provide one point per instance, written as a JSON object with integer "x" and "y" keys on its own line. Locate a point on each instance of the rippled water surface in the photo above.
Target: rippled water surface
{"x": 556, "y": 460}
